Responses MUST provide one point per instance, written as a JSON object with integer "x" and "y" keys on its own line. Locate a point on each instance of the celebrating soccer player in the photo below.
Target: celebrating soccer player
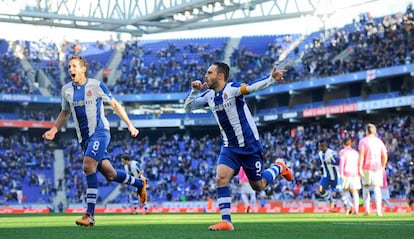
{"x": 84, "y": 97}
{"x": 241, "y": 145}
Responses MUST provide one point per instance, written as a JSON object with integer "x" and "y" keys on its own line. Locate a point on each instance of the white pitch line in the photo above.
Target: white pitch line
{"x": 375, "y": 223}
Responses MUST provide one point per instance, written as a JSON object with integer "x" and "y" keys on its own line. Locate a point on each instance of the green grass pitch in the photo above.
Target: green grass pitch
{"x": 193, "y": 226}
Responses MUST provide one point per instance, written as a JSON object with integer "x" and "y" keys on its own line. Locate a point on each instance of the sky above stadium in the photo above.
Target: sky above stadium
{"x": 301, "y": 25}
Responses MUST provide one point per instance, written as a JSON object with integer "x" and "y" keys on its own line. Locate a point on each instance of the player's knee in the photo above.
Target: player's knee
{"x": 110, "y": 176}
{"x": 221, "y": 181}
{"x": 257, "y": 187}
{"x": 88, "y": 169}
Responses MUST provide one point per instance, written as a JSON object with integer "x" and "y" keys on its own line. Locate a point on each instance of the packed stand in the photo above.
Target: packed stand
{"x": 44, "y": 56}
{"x": 369, "y": 43}
{"x": 181, "y": 167}
{"x": 14, "y": 78}
{"x": 166, "y": 66}
{"x": 27, "y": 176}
{"x": 256, "y": 55}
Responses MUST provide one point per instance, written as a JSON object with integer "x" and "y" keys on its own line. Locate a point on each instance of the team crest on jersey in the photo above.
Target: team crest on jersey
{"x": 225, "y": 96}
{"x": 89, "y": 93}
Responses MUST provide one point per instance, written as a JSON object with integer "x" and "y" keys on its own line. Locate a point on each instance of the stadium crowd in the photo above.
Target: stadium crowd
{"x": 180, "y": 166}
{"x": 367, "y": 43}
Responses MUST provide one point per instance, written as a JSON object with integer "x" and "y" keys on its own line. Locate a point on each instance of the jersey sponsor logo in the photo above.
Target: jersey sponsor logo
{"x": 227, "y": 104}
{"x": 222, "y": 106}
{"x": 218, "y": 107}
{"x": 83, "y": 102}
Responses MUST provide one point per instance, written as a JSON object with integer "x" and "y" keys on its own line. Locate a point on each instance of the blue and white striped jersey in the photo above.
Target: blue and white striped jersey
{"x": 134, "y": 169}
{"x": 232, "y": 114}
{"x": 86, "y": 105}
{"x": 330, "y": 164}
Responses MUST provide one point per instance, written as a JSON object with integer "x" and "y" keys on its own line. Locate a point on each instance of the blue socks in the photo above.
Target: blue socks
{"x": 91, "y": 193}
{"x": 224, "y": 202}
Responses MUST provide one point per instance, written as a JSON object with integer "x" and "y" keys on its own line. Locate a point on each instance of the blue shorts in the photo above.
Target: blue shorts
{"x": 252, "y": 162}
{"x": 96, "y": 146}
{"x": 335, "y": 185}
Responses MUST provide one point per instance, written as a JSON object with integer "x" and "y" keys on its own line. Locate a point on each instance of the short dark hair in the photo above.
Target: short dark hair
{"x": 223, "y": 68}
{"x": 125, "y": 157}
{"x": 323, "y": 141}
{"x": 346, "y": 140}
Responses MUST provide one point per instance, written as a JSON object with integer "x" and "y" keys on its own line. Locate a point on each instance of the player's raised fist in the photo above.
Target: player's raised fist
{"x": 198, "y": 85}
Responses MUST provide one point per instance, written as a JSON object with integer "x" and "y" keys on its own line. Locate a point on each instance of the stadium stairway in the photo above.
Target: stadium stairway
{"x": 42, "y": 81}
{"x": 289, "y": 50}
{"x": 113, "y": 65}
{"x": 232, "y": 44}
{"x": 59, "y": 172}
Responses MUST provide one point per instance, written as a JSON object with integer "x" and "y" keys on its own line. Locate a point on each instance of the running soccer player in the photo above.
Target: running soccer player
{"x": 330, "y": 181}
{"x": 84, "y": 98}
{"x": 133, "y": 168}
{"x": 241, "y": 146}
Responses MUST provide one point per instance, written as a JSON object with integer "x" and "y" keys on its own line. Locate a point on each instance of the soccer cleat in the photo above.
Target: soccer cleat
{"x": 332, "y": 206}
{"x": 222, "y": 226}
{"x": 285, "y": 173}
{"x": 86, "y": 220}
{"x": 146, "y": 209}
{"x": 142, "y": 194}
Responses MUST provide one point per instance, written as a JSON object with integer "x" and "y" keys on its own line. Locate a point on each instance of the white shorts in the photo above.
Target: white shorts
{"x": 385, "y": 193}
{"x": 352, "y": 183}
{"x": 372, "y": 178}
{"x": 245, "y": 188}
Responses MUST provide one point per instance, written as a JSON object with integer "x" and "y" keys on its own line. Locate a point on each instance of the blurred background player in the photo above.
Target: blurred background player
{"x": 372, "y": 161}
{"x": 349, "y": 171}
{"x": 330, "y": 183}
{"x": 135, "y": 204}
{"x": 247, "y": 194}
{"x": 385, "y": 193}
{"x": 133, "y": 168}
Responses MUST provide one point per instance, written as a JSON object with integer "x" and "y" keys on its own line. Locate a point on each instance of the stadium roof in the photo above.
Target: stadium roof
{"x": 139, "y": 17}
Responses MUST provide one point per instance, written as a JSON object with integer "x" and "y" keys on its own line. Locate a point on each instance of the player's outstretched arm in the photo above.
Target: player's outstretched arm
{"x": 278, "y": 74}
{"x": 275, "y": 76}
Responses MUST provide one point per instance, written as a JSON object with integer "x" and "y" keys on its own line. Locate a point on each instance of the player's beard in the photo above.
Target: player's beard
{"x": 212, "y": 83}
